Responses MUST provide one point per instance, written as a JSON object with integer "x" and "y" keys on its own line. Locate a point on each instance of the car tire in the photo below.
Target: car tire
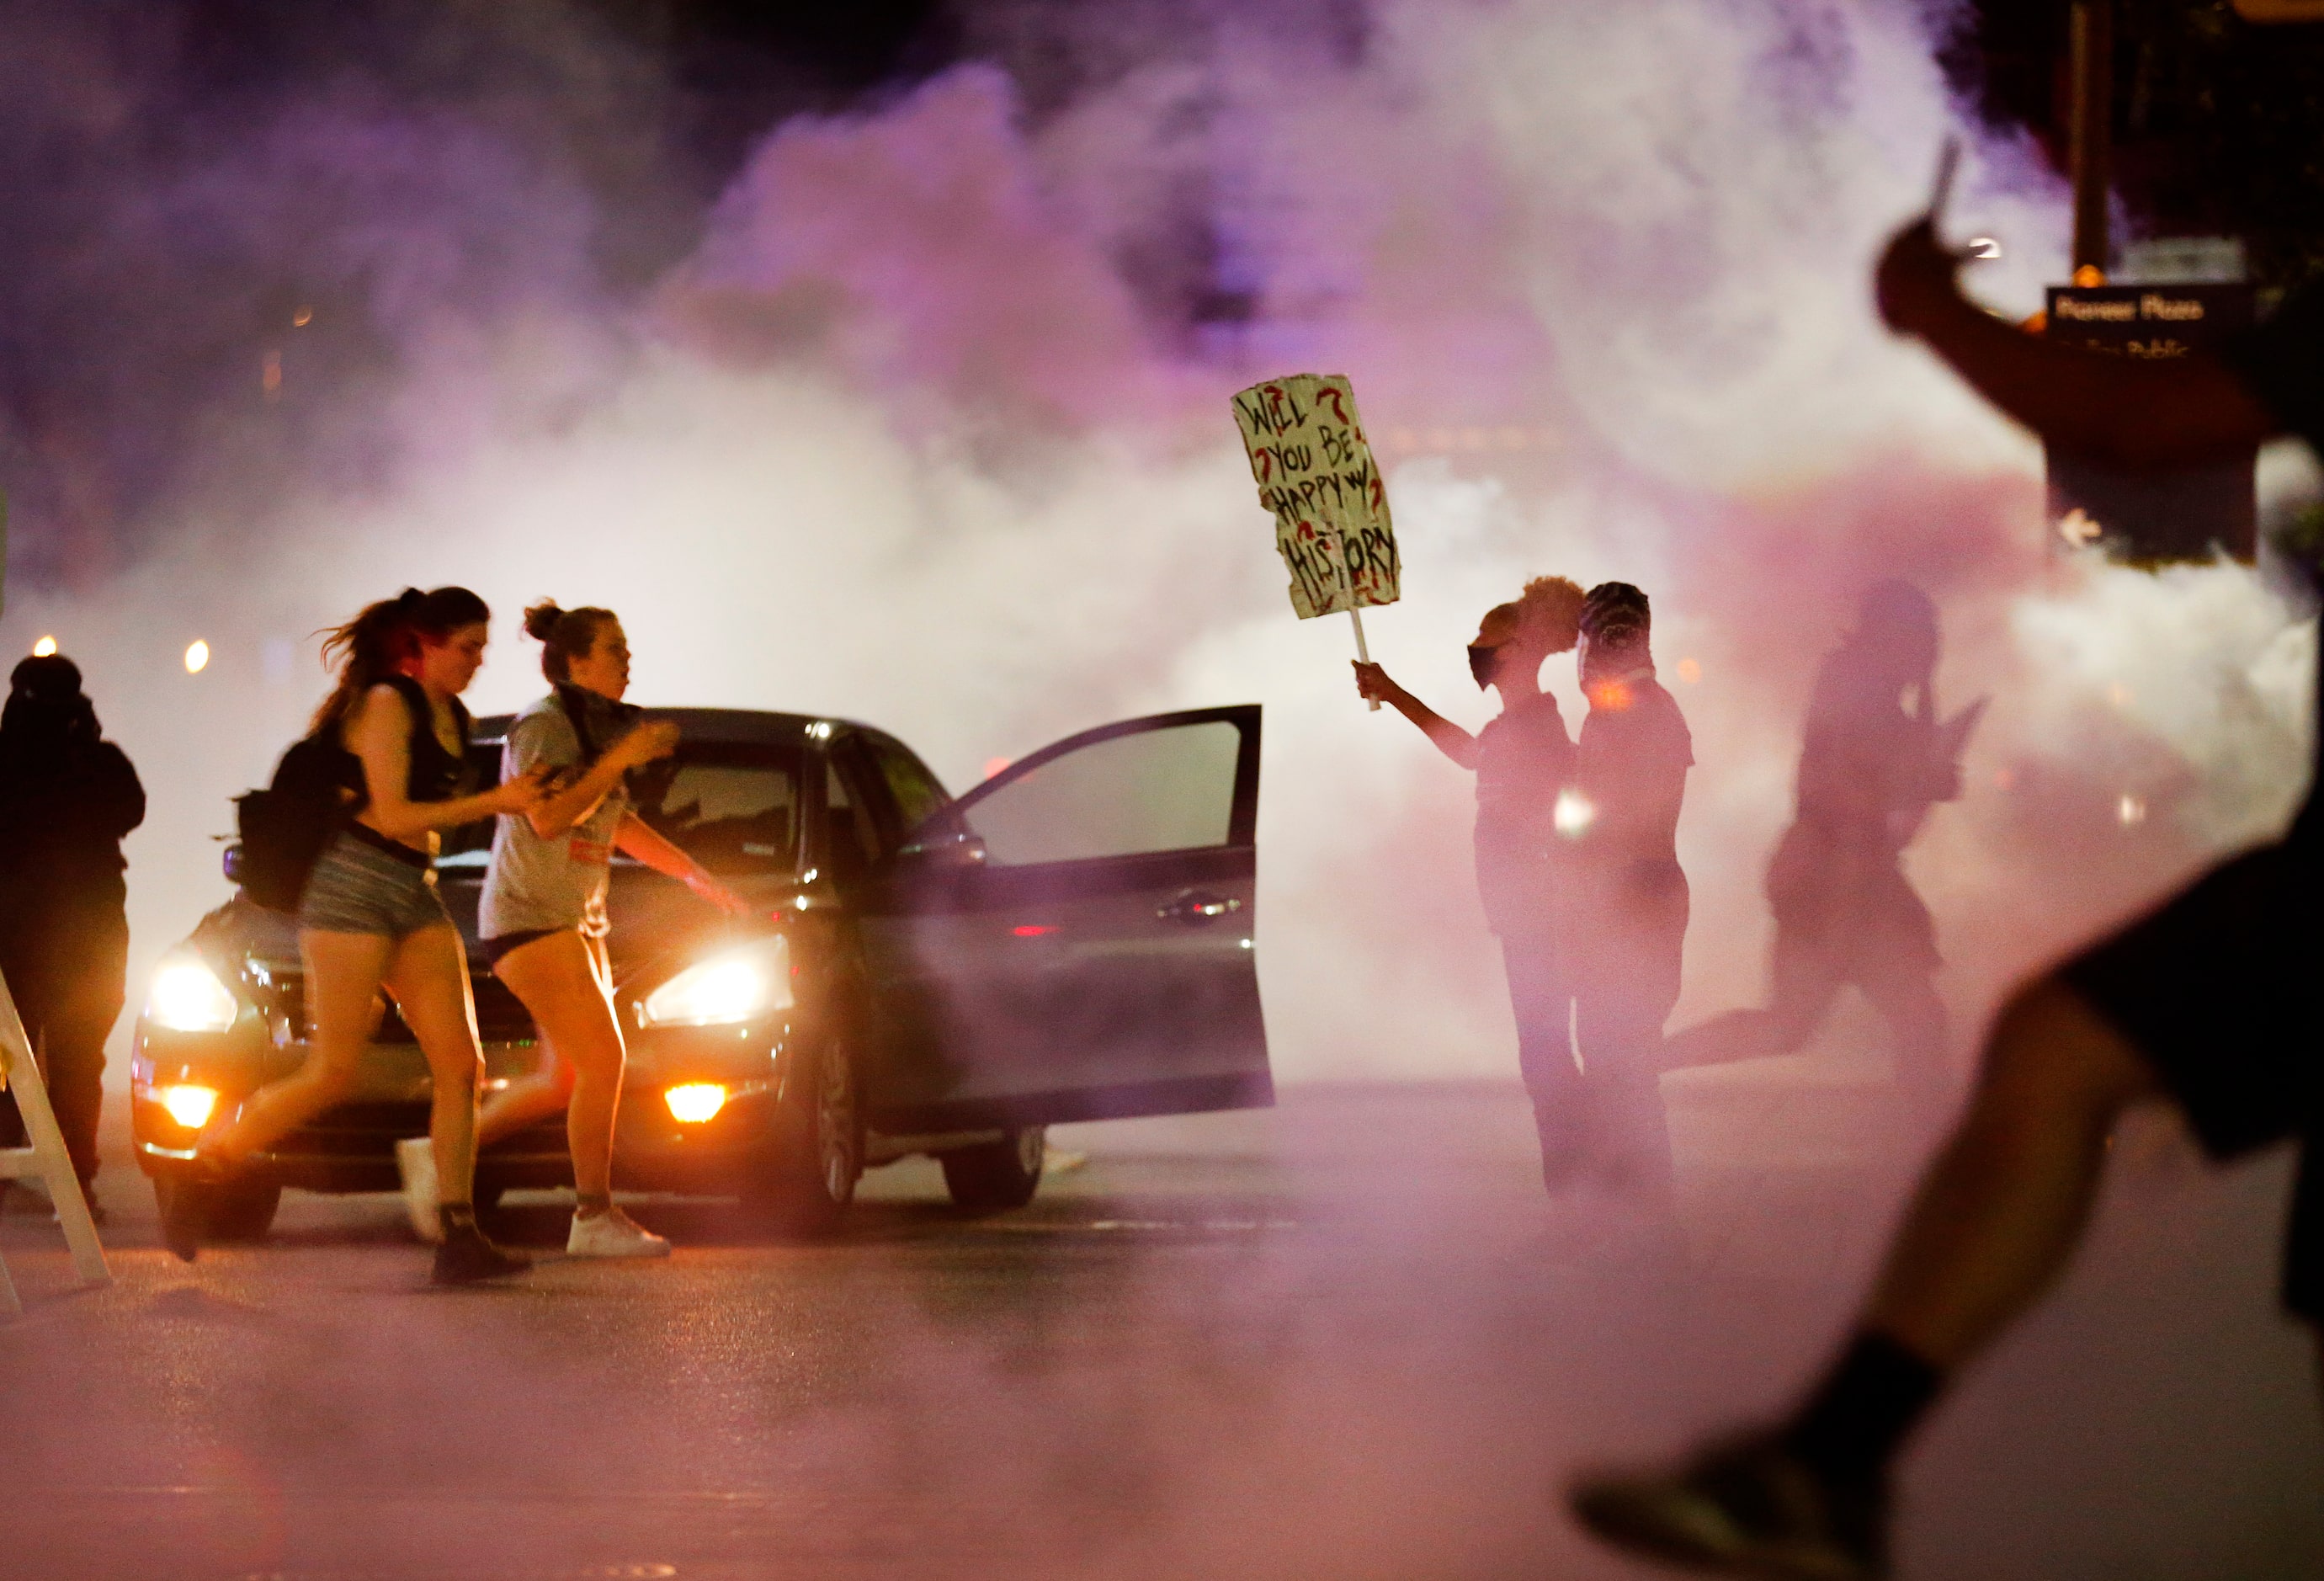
{"x": 995, "y": 1176}
{"x": 235, "y": 1210}
{"x": 803, "y": 1185}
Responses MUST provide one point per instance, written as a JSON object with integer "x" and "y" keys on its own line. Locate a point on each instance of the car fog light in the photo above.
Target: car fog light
{"x": 694, "y": 1101}
{"x": 189, "y": 1107}
{"x": 186, "y": 997}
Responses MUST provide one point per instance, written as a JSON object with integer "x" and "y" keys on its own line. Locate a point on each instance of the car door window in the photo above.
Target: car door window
{"x": 854, "y": 836}
{"x": 914, "y": 790}
{"x": 1161, "y": 789}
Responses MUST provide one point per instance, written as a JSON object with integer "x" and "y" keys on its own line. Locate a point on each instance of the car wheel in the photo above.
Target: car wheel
{"x": 997, "y": 1175}
{"x": 236, "y": 1210}
{"x": 804, "y": 1187}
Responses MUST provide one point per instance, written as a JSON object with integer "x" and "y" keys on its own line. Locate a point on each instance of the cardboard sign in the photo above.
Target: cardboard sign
{"x": 1316, "y": 474}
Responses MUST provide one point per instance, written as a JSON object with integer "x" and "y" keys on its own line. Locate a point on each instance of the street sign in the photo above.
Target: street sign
{"x": 2150, "y": 517}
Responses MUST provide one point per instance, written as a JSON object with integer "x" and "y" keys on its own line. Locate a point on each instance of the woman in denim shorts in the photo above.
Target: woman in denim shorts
{"x": 370, "y": 917}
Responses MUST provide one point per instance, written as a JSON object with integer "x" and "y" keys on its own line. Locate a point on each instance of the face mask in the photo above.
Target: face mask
{"x": 1482, "y": 662}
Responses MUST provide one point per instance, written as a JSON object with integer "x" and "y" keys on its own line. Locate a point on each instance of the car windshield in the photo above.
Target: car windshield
{"x": 734, "y": 809}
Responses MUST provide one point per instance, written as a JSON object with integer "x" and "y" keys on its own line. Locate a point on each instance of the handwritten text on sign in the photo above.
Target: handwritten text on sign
{"x": 1316, "y": 474}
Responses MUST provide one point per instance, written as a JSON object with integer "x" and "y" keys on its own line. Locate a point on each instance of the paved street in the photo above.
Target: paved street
{"x": 1344, "y": 1339}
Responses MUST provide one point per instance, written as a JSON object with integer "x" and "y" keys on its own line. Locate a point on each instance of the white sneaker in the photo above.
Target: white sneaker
{"x": 415, "y": 1161}
{"x": 612, "y": 1233}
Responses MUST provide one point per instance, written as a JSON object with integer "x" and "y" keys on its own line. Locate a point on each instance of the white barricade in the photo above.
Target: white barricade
{"x": 45, "y": 1160}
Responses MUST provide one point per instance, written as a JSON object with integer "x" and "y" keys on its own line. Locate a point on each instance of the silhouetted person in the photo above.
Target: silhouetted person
{"x": 1628, "y": 898}
{"x": 66, "y": 798}
{"x": 1522, "y": 759}
{"x": 2208, "y": 1002}
{"x": 1870, "y": 769}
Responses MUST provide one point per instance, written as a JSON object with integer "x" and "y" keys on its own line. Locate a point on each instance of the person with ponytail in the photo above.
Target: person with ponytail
{"x": 542, "y": 923}
{"x": 1522, "y": 759}
{"x": 370, "y": 917}
{"x": 1873, "y": 762}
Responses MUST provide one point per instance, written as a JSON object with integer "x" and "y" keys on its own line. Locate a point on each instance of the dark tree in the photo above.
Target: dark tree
{"x": 2219, "y": 124}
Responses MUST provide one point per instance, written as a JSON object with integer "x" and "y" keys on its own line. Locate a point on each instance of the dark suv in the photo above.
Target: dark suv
{"x": 1072, "y": 939}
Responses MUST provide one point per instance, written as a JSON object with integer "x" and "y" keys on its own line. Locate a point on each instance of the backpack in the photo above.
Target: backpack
{"x": 284, "y": 828}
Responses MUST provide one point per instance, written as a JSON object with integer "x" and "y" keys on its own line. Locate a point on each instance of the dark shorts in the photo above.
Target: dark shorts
{"x": 371, "y": 885}
{"x": 2220, "y": 990}
{"x": 500, "y": 947}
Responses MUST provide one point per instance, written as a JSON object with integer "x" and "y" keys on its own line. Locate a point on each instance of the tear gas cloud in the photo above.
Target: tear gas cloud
{"x": 907, "y": 438}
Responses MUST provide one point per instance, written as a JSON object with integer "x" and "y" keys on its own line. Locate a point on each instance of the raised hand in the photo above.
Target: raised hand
{"x": 656, "y": 738}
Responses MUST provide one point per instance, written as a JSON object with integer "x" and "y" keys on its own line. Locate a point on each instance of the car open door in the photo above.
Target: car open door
{"x": 1072, "y": 939}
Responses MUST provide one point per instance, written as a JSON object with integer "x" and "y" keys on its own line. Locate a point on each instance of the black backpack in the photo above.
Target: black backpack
{"x": 284, "y": 828}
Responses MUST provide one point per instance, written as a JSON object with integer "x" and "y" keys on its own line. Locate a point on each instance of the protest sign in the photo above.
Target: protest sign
{"x": 1316, "y": 475}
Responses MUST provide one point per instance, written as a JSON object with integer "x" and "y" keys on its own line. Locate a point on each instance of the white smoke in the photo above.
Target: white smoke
{"x": 902, "y": 442}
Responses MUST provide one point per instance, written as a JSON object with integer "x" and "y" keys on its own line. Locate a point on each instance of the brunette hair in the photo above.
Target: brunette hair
{"x": 564, "y": 634}
{"x": 1549, "y": 608}
{"x": 385, "y": 638}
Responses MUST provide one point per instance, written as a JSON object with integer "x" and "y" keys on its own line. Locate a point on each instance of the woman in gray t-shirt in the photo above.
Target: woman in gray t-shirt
{"x": 542, "y": 923}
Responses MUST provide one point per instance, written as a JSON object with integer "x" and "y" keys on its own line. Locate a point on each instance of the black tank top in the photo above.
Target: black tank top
{"x": 435, "y": 775}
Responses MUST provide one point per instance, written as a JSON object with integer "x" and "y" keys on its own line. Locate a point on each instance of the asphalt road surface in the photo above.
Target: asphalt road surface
{"x": 1348, "y": 1337}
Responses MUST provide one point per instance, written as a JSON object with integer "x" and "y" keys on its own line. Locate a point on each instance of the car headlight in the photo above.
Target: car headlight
{"x": 186, "y": 997}
{"x": 738, "y": 985}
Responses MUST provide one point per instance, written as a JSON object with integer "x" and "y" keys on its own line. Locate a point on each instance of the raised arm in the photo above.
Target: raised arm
{"x": 380, "y": 735}
{"x": 2136, "y": 414}
{"x": 1372, "y": 683}
{"x": 562, "y": 809}
{"x": 638, "y": 838}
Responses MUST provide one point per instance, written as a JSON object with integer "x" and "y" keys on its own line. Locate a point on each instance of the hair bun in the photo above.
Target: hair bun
{"x": 540, "y": 620}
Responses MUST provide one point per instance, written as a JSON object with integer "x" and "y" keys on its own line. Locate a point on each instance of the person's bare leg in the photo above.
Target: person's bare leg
{"x": 428, "y": 976}
{"x": 1805, "y": 979}
{"x": 2006, "y": 1199}
{"x": 561, "y": 981}
{"x": 344, "y": 971}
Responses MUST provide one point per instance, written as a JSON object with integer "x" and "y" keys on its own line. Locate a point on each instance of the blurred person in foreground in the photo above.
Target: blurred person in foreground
{"x": 2211, "y": 1001}
{"x": 1522, "y": 759}
{"x": 68, "y": 796}
{"x": 1628, "y": 907}
{"x": 1870, "y": 769}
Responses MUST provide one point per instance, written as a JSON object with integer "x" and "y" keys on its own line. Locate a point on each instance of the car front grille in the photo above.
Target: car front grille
{"x": 281, "y": 994}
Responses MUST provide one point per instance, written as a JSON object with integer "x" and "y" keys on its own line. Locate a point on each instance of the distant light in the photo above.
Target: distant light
{"x": 2131, "y": 810}
{"x": 820, "y": 730}
{"x": 45, "y": 648}
{"x": 2089, "y": 277}
{"x": 1574, "y": 814}
{"x": 694, "y": 1101}
{"x": 306, "y": 316}
{"x": 1033, "y": 930}
{"x": 994, "y": 765}
{"x": 270, "y": 376}
{"x": 2080, "y": 528}
{"x": 1689, "y": 671}
{"x": 1983, "y": 247}
{"x": 198, "y": 656}
{"x": 799, "y": 901}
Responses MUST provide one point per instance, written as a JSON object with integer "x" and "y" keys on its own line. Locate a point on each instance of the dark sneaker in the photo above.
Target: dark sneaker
{"x": 466, "y": 1256}
{"x": 1748, "y": 1509}
{"x": 186, "y": 1209}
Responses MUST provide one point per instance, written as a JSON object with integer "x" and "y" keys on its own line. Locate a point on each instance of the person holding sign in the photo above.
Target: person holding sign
{"x": 1522, "y": 759}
